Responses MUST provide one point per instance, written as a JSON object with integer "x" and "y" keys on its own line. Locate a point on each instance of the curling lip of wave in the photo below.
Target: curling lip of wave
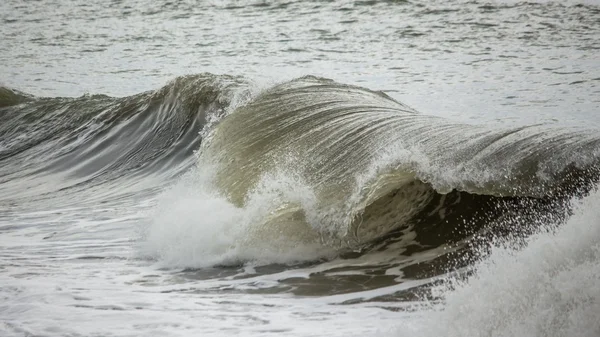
{"x": 356, "y": 149}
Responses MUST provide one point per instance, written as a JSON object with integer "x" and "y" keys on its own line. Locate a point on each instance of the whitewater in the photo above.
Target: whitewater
{"x": 255, "y": 168}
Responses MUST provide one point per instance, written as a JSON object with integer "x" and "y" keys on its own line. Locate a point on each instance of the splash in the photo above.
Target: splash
{"x": 195, "y": 226}
{"x": 547, "y": 288}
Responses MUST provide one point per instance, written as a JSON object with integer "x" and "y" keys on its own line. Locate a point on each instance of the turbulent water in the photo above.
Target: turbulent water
{"x": 402, "y": 168}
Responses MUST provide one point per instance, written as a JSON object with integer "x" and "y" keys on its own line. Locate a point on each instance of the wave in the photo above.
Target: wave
{"x": 306, "y": 163}
{"x": 372, "y": 164}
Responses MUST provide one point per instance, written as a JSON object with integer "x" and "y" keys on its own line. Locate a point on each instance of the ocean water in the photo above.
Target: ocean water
{"x": 298, "y": 168}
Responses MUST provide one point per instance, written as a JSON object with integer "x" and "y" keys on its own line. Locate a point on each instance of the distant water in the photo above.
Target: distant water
{"x": 402, "y": 168}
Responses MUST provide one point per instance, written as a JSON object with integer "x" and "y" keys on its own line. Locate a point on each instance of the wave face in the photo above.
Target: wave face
{"x": 92, "y": 143}
{"x": 373, "y": 165}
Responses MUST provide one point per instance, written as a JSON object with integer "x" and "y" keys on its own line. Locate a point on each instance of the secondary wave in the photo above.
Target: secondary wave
{"x": 114, "y": 144}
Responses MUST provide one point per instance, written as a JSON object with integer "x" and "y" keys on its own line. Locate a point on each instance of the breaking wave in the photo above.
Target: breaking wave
{"x": 365, "y": 156}
{"x": 324, "y": 166}
{"x": 305, "y": 169}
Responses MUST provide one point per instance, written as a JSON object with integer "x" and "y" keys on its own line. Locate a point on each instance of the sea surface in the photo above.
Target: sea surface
{"x": 300, "y": 168}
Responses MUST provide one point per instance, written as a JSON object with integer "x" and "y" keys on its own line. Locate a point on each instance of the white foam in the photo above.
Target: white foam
{"x": 195, "y": 226}
{"x": 549, "y": 288}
